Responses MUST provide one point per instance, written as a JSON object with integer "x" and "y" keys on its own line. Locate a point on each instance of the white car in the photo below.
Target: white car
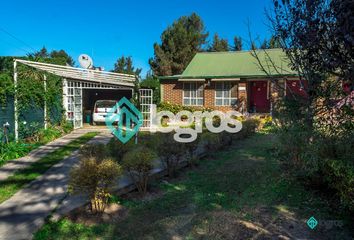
{"x": 101, "y": 110}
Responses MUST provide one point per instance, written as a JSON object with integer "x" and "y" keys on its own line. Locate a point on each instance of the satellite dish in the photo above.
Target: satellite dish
{"x": 85, "y": 61}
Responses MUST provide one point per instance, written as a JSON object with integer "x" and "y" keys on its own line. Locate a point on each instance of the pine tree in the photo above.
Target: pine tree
{"x": 237, "y": 44}
{"x": 218, "y": 45}
{"x": 179, "y": 43}
{"x": 265, "y": 44}
{"x": 125, "y": 65}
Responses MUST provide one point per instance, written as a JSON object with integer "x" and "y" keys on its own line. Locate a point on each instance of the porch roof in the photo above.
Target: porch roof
{"x": 88, "y": 75}
{"x": 241, "y": 64}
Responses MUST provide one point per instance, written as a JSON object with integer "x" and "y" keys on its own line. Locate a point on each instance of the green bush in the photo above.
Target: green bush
{"x": 226, "y": 138}
{"x": 191, "y": 148}
{"x": 175, "y": 108}
{"x": 117, "y": 149}
{"x": 333, "y": 157}
{"x": 29, "y": 131}
{"x": 339, "y": 175}
{"x": 98, "y": 151}
{"x": 66, "y": 126}
{"x": 170, "y": 153}
{"x": 149, "y": 140}
{"x": 250, "y": 125}
{"x": 138, "y": 163}
{"x": 14, "y": 150}
{"x": 293, "y": 143}
{"x": 95, "y": 178}
{"x": 48, "y": 135}
{"x": 323, "y": 162}
{"x": 211, "y": 141}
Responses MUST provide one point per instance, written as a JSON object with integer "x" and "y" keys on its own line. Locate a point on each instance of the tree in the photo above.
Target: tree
{"x": 55, "y": 57}
{"x": 237, "y": 44}
{"x": 318, "y": 39}
{"x": 153, "y": 83}
{"x": 274, "y": 42}
{"x": 61, "y": 54}
{"x": 125, "y": 65}
{"x": 179, "y": 43}
{"x": 264, "y": 44}
{"x": 218, "y": 45}
{"x": 43, "y": 53}
{"x": 253, "y": 45}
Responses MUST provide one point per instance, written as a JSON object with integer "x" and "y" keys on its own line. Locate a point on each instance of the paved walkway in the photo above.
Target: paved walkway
{"x": 25, "y": 212}
{"x": 13, "y": 165}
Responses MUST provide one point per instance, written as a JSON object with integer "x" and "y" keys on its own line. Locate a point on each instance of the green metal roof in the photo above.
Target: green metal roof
{"x": 236, "y": 64}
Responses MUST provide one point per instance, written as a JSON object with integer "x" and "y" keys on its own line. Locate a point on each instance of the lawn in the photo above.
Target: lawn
{"x": 237, "y": 193}
{"x": 15, "y": 182}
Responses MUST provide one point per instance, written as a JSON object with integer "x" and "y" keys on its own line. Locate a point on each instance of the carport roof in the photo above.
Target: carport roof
{"x": 82, "y": 74}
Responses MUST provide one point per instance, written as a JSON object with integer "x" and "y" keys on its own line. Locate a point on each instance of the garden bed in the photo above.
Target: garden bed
{"x": 235, "y": 193}
{"x": 31, "y": 138}
{"x": 208, "y": 144}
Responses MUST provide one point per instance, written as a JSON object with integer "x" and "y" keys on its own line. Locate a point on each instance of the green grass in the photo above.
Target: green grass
{"x": 233, "y": 184}
{"x": 16, "y": 182}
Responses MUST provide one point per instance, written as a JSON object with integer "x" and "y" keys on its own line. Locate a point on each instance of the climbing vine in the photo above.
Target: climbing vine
{"x": 6, "y": 87}
{"x": 30, "y": 91}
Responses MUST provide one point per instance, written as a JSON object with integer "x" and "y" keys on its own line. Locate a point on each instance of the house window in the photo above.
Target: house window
{"x": 225, "y": 93}
{"x": 193, "y": 94}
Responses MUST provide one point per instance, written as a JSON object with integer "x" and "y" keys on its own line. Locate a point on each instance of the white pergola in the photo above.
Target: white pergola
{"x": 74, "y": 80}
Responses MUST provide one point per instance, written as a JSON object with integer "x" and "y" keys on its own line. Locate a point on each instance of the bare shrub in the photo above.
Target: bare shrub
{"x": 171, "y": 153}
{"x": 138, "y": 163}
{"x": 94, "y": 177}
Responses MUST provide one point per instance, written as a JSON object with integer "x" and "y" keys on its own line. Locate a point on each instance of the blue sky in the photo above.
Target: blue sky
{"x": 107, "y": 30}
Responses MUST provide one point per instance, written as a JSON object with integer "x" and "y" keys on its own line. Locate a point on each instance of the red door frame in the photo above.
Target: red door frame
{"x": 259, "y": 96}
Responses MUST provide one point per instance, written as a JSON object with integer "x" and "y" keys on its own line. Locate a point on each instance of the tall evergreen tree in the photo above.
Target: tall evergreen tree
{"x": 179, "y": 43}
{"x": 218, "y": 45}
{"x": 274, "y": 42}
{"x": 265, "y": 44}
{"x": 125, "y": 65}
{"x": 43, "y": 53}
{"x": 237, "y": 43}
{"x": 253, "y": 45}
{"x": 61, "y": 54}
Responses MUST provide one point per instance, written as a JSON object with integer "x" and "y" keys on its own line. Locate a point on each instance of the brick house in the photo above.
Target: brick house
{"x": 232, "y": 80}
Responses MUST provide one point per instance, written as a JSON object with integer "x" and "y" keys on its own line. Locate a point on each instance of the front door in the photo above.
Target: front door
{"x": 259, "y": 101}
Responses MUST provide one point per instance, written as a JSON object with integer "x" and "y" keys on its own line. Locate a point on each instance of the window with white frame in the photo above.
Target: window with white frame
{"x": 225, "y": 93}
{"x": 193, "y": 93}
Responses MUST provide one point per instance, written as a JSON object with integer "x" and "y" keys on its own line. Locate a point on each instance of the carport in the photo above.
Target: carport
{"x": 81, "y": 88}
{"x": 90, "y": 96}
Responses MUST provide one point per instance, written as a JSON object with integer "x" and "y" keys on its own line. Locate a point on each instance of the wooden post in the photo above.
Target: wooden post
{"x": 45, "y": 101}
{"x": 15, "y": 101}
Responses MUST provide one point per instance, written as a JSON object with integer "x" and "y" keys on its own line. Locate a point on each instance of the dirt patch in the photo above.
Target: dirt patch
{"x": 112, "y": 213}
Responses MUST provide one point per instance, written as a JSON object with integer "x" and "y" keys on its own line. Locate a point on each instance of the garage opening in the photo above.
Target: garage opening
{"x": 91, "y": 96}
